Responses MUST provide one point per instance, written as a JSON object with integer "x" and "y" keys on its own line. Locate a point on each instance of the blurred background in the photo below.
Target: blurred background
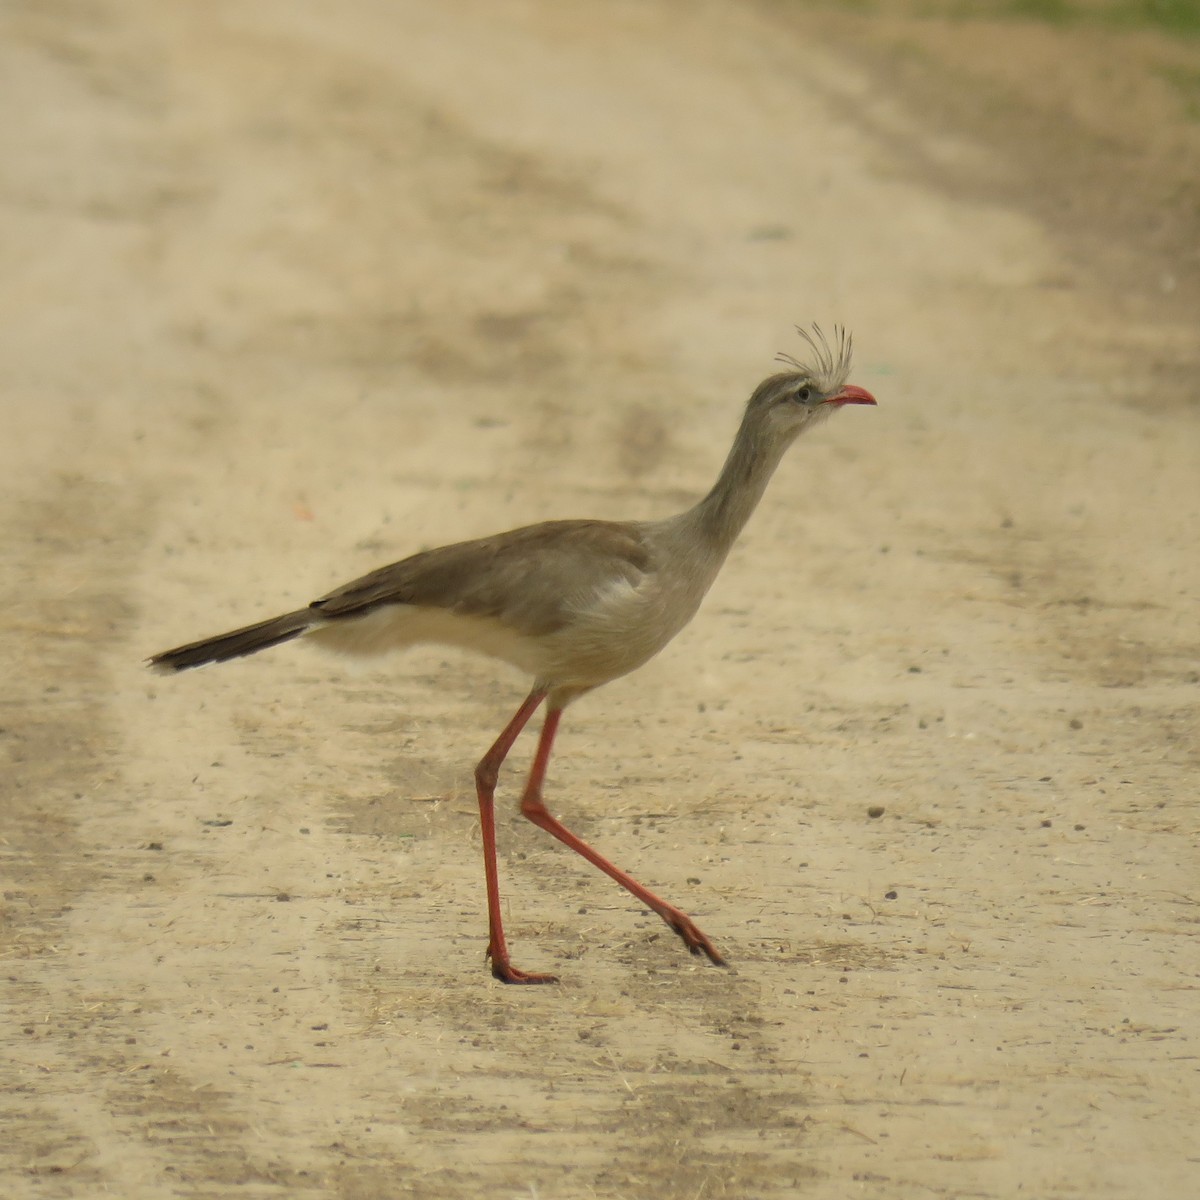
{"x": 289, "y": 290}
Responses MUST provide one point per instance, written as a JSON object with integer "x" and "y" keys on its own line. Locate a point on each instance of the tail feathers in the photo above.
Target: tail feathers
{"x": 237, "y": 643}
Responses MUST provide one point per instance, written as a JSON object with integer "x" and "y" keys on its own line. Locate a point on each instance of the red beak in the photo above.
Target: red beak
{"x": 851, "y": 395}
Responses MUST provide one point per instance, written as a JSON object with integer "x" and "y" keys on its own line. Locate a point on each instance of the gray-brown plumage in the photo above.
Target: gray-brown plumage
{"x": 572, "y": 603}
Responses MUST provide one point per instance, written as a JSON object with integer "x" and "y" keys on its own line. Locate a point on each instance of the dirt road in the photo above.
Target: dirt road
{"x": 292, "y": 289}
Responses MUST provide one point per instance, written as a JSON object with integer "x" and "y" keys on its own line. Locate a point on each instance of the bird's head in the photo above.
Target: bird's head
{"x": 810, "y": 390}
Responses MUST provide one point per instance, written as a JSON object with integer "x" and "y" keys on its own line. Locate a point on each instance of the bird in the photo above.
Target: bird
{"x": 572, "y": 603}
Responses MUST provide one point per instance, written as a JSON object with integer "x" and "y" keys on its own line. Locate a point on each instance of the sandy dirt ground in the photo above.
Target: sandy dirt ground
{"x": 291, "y": 289}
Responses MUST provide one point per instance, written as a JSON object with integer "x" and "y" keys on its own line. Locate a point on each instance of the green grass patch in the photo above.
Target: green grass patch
{"x": 1186, "y": 81}
{"x": 1171, "y": 16}
{"x": 1178, "y": 17}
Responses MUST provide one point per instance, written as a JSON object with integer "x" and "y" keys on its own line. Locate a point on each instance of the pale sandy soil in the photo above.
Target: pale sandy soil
{"x": 290, "y": 289}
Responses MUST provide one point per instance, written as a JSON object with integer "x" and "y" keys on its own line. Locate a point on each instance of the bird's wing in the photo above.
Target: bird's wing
{"x": 532, "y": 579}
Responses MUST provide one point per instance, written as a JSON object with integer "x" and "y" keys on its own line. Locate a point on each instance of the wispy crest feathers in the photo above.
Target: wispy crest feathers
{"x": 829, "y": 365}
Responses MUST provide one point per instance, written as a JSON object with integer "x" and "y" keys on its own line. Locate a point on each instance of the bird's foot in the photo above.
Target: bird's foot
{"x": 693, "y": 938}
{"x": 507, "y": 973}
{"x": 504, "y": 971}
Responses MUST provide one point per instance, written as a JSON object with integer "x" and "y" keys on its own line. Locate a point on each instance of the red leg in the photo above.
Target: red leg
{"x": 486, "y": 774}
{"x": 533, "y": 808}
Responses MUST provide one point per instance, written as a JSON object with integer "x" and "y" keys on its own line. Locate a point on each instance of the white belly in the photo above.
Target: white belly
{"x": 399, "y": 626}
{"x": 607, "y": 634}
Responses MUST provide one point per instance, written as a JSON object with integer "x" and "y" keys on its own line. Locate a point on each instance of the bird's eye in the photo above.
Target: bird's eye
{"x": 804, "y": 394}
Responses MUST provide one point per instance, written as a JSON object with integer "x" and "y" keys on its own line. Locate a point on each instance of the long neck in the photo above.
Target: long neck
{"x": 723, "y": 513}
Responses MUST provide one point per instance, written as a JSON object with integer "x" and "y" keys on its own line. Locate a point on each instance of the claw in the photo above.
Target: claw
{"x": 507, "y": 973}
{"x": 693, "y": 938}
{"x": 504, "y": 971}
